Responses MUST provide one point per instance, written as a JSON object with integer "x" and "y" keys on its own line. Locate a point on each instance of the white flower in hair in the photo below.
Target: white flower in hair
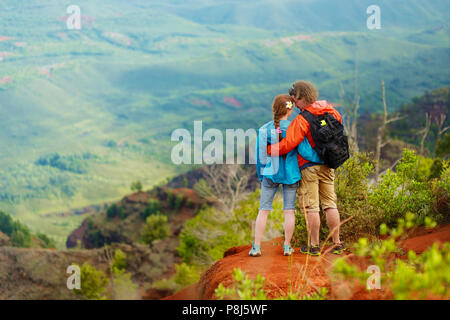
{"x": 289, "y": 104}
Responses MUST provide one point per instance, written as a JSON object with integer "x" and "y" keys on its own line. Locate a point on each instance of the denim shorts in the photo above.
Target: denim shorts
{"x": 269, "y": 189}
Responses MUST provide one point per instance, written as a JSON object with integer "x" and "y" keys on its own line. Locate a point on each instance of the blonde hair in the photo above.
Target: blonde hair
{"x": 305, "y": 89}
{"x": 279, "y": 110}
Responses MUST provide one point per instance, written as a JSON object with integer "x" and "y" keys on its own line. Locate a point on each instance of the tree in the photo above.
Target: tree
{"x": 156, "y": 227}
{"x": 21, "y": 238}
{"x": 381, "y": 132}
{"x": 48, "y": 242}
{"x": 153, "y": 207}
{"x": 225, "y": 185}
{"x": 443, "y": 147}
{"x": 136, "y": 186}
{"x": 112, "y": 211}
{"x": 351, "y": 113}
{"x": 441, "y": 129}
{"x": 425, "y": 132}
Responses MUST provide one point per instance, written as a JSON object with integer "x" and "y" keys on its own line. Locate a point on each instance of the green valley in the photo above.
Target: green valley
{"x": 84, "y": 113}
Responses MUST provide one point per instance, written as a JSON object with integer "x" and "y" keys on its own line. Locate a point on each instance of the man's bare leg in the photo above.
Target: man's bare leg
{"x": 314, "y": 227}
{"x": 333, "y": 221}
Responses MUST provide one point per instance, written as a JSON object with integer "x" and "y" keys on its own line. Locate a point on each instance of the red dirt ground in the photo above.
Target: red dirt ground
{"x": 425, "y": 239}
{"x": 283, "y": 273}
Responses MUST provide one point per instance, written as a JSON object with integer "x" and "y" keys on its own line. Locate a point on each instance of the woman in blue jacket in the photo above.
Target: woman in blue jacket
{"x": 275, "y": 171}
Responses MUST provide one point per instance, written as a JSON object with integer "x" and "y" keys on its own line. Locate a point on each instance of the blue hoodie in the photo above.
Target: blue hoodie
{"x": 280, "y": 169}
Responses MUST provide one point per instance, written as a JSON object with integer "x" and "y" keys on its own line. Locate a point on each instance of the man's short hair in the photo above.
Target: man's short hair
{"x": 305, "y": 89}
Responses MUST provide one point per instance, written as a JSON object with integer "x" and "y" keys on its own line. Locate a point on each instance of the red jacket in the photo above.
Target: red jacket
{"x": 300, "y": 128}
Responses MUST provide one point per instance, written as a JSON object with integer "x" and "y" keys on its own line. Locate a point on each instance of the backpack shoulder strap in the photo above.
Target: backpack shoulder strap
{"x": 308, "y": 116}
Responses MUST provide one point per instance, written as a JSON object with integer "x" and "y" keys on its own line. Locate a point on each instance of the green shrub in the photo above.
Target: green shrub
{"x": 48, "y": 242}
{"x": 441, "y": 189}
{"x": 243, "y": 288}
{"x": 178, "y": 202}
{"x": 416, "y": 277}
{"x": 443, "y": 147}
{"x": 186, "y": 274}
{"x": 352, "y": 191}
{"x": 95, "y": 238}
{"x": 120, "y": 260}
{"x": 423, "y": 276}
{"x": 90, "y": 223}
{"x": 21, "y": 238}
{"x": 71, "y": 163}
{"x": 123, "y": 287}
{"x": 136, "y": 186}
{"x": 156, "y": 227}
{"x": 170, "y": 199}
{"x": 153, "y": 207}
{"x": 6, "y": 223}
{"x": 93, "y": 283}
{"x": 19, "y": 234}
{"x": 122, "y": 214}
{"x": 406, "y": 190}
{"x": 115, "y": 211}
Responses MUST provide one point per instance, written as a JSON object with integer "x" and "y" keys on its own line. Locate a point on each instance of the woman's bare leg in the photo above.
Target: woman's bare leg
{"x": 289, "y": 225}
{"x": 260, "y": 225}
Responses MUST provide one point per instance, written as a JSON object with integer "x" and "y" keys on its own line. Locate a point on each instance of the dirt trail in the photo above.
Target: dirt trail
{"x": 281, "y": 273}
{"x": 285, "y": 273}
{"x": 425, "y": 239}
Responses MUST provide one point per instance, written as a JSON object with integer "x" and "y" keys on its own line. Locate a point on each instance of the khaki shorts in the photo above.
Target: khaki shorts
{"x": 317, "y": 188}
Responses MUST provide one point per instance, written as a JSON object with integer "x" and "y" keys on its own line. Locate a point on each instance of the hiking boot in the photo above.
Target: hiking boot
{"x": 255, "y": 251}
{"x": 288, "y": 250}
{"x": 339, "y": 248}
{"x": 312, "y": 251}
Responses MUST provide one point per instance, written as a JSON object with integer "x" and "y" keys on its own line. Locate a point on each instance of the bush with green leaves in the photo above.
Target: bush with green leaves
{"x": 414, "y": 277}
{"x": 48, "y": 242}
{"x": 178, "y": 202}
{"x": 115, "y": 211}
{"x": 170, "y": 199}
{"x": 186, "y": 274}
{"x": 156, "y": 227}
{"x": 443, "y": 147}
{"x": 123, "y": 288}
{"x": 405, "y": 190}
{"x": 441, "y": 193}
{"x": 154, "y": 207}
{"x": 94, "y": 283}
{"x": 19, "y": 234}
{"x": 136, "y": 186}
{"x": 423, "y": 276}
{"x": 244, "y": 288}
{"x": 119, "y": 260}
{"x": 71, "y": 163}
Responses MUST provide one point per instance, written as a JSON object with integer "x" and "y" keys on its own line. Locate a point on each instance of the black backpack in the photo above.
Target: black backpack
{"x": 328, "y": 135}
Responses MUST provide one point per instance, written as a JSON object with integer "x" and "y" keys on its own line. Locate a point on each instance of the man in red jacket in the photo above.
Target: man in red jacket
{"x": 317, "y": 184}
